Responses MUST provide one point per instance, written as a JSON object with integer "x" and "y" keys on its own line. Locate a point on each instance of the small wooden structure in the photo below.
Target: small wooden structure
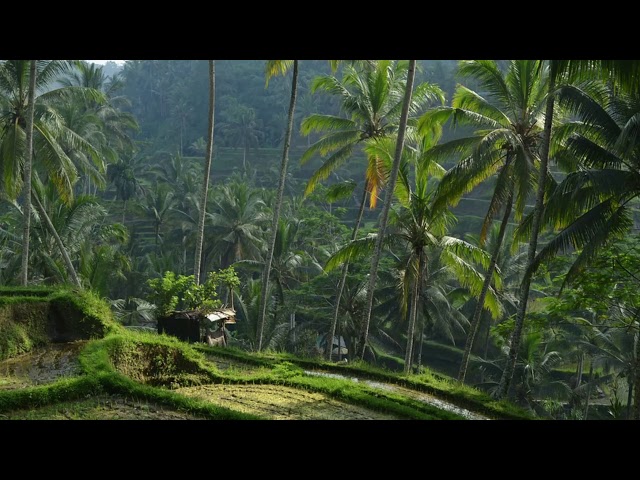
{"x": 194, "y": 326}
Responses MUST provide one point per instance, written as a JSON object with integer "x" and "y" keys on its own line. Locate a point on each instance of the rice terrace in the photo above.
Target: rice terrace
{"x": 320, "y": 240}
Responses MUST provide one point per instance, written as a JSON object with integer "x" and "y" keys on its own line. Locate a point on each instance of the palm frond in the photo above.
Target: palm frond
{"x": 355, "y": 249}
{"x": 589, "y": 232}
{"x": 331, "y": 143}
{"x": 326, "y": 123}
{"x": 475, "y": 107}
{"x": 340, "y": 191}
{"x": 490, "y": 77}
{"x": 274, "y": 68}
{"x": 329, "y": 165}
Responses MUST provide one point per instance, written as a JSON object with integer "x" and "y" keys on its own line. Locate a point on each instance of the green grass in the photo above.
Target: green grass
{"x": 150, "y": 368}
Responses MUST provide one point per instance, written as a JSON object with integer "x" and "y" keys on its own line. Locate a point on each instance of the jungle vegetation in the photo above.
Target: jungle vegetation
{"x": 477, "y": 218}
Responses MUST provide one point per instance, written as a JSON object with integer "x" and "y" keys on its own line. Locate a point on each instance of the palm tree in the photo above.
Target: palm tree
{"x": 241, "y": 130}
{"x": 372, "y": 100}
{"x": 52, "y": 138}
{"x": 504, "y": 148}
{"x": 275, "y": 67}
{"x": 236, "y": 224}
{"x": 157, "y": 206}
{"x": 27, "y": 175}
{"x": 207, "y": 170}
{"x": 116, "y": 123}
{"x": 420, "y": 231}
{"x": 406, "y": 104}
{"x": 510, "y": 262}
{"x": 536, "y": 360}
{"x": 291, "y": 264}
{"x": 592, "y": 205}
{"x": 125, "y": 176}
{"x": 68, "y": 234}
{"x": 623, "y": 73}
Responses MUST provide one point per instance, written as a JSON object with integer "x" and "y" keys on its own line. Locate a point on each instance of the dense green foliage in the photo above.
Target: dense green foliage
{"x": 117, "y": 170}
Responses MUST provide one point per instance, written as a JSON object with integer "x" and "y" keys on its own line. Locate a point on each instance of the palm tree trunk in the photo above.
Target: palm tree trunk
{"x": 507, "y": 374}
{"x": 63, "y": 250}
{"x": 278, "y": 205}
{"x": 636, "y": 405}
{"x": 26, "y": 208}
{"x": 629, "y": 398}
{"x": 475, "y": 320}
{"x": 207, "y": 172}
{"x": 124, "y": 210}
{"x": 579, "y": 369}
{"x": 343, "y": 278}
{"x": 486, "y": 339}
{"x": 393, "y": 176}
{"x": 421, "y": 340}
{"x": 408, "y": 357}
{"x": 244, "y": 160}
{"x": 586, "y": 402}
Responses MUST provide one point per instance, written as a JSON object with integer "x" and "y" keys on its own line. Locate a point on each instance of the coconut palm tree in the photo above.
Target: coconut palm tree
{"x": 241, "y": 130}
{"x": 420, "y": 231}
{"x": 157, "y": 206}
{"x": 623, "y": 73}
{"x": 291, "y": 263}
{"x": 31, "y": 97}
{"x": 508, "y": 121}
{"x": 53, "y": 139}
{"x": 207, "y": 170}
{"x": 402, "y": 128}
{"x": 125, "y": 175}
{"x": 591, "y": 207}
{"x": 236, "y": 224}
{"x": 372, "y": 101}
{"x": 276, "y": 67}
{"x": 89, "y": 242}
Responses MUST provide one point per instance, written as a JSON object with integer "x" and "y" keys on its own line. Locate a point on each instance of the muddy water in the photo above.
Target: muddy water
{"x": 41, "y": 366}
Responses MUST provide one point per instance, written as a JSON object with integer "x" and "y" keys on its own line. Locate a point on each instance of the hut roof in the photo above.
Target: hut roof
{"x": 226, "y": 314}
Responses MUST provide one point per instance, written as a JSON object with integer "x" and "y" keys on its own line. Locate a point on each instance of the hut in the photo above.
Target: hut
{"x": 194, "y": 326}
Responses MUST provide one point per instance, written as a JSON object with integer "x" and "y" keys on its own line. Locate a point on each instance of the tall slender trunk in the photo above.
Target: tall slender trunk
{"x": 486, "y": 339}
{"x": 636, "y": 377}
{"x": 63, "y": 250}
{"x": 629, "y": 398}
{"x": 507, "y": 374}
{"x": 579, "y": 369}
{"x": 393, "y": 176}
{"x": 586, "y": 402}
{"x": 475, "y": 320}
{"x": 408, "y": 357}
{"x": 343, "y": 278}
{"x": 207, "y": 173}
{"x": 244, "y": 160}
{"x": 26, "y": 206}
{"x": 278, "y": 204}
{"x": 421, "y": 340}
{"x": 124, "y": 210}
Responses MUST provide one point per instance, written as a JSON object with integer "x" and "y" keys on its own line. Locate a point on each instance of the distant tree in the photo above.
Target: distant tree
{"x": 241, "y": 130}
{"x": 207, "y": 173}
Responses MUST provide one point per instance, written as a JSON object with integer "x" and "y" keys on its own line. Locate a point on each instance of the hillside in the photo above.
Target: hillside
{"x": 109, "y": 372}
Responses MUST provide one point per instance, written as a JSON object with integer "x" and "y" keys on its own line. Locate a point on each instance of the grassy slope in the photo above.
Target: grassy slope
{"x": 149, "y": 367}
